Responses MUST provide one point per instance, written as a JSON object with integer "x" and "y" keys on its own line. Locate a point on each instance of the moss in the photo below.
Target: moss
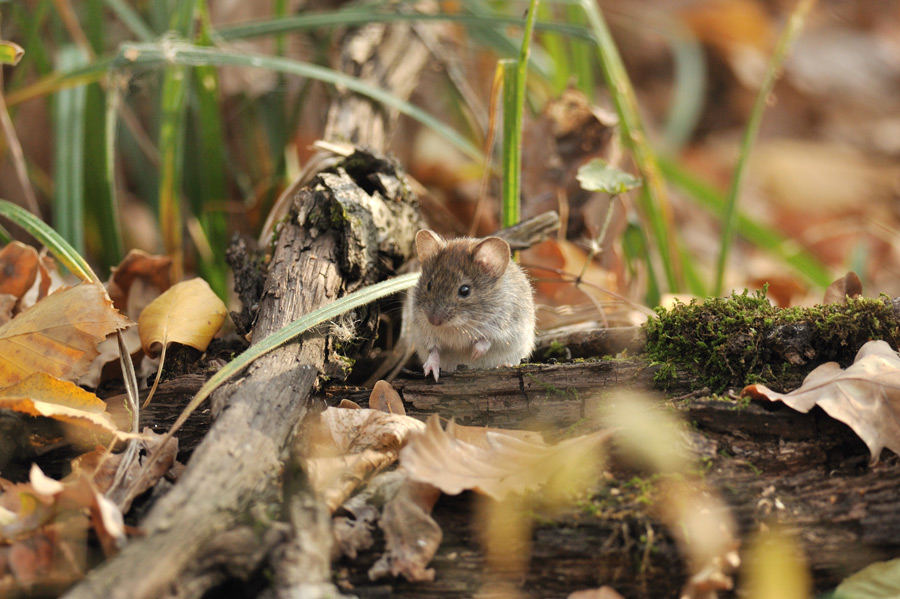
{"x": 740, "y": 340}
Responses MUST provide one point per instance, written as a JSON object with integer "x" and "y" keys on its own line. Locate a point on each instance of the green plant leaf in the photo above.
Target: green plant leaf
{"x": 59, "y": 247}
{"x": 598, "y": 175}
{"x": 11, "y": 53}
{"x": 68, "y": 123}
{"x": 880, "y": 580}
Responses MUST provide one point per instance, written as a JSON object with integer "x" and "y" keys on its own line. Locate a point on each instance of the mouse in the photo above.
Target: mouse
{"x": 473, "y": 305}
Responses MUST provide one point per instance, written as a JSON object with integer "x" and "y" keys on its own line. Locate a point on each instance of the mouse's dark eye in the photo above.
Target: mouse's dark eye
{"x": 464, "y": 291}
{"x": 428, "y": 285}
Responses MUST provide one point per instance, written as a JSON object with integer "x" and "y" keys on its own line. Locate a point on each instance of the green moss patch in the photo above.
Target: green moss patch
{"x": 743, "y": 339}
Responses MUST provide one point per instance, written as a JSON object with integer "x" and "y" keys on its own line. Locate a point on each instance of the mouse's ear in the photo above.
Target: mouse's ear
{"x": 428, "y": 243}
{"x": 492, "y": 255}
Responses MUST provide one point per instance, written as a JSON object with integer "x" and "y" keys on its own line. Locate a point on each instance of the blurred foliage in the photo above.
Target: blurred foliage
{"x": 151, "y": 123}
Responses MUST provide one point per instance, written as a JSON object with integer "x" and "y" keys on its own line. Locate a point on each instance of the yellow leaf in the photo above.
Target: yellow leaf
{"x": 43, "y": 395}
{"x": 188, "y": 313}
{"x": 58, "y": 335}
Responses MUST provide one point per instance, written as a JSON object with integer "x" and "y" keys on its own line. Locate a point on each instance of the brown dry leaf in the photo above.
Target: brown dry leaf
{"x": 865, "y": 396}
{"x": 188, "y": 313}
{"x": 44, "y": 524}
{"x": 411, "y": 535}
{"x": 43, "y": 395}
{"x": 347, "y": 446}
{"x": 101, "y": 469}
{"x": 7, "y": 304}
{"x": 847, "y": 286}
{"x": 138, "y": 280}
{"x": 18, "y": 268}
{"x": 58, "y": 335}
{"x": 386, "y": 399}
{"x": 509, "y": 465}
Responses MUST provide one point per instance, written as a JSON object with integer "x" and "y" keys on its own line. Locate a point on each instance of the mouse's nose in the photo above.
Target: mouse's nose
{"x": 436, "y": 319}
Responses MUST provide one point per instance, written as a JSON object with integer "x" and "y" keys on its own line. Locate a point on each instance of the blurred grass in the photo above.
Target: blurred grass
{"x": 160, "y": 74}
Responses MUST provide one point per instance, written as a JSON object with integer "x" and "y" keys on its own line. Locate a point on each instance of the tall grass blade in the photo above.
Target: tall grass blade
{"x": 788, "y": 34}
{"x": 511, "y": 161}
{"x": 68, "y": 125}
{"x": 181, "y": 53}
{"x": 61, "y": 249}
{"x": 514, "y": 77}
{"x": 784, "y": 248}
{"x": 653, "y": 198}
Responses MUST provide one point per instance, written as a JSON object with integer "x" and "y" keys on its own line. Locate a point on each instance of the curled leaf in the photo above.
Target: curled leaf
{"x": 865, "y": 396}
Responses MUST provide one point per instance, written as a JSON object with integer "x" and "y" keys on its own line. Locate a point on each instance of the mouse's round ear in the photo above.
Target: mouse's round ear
{"x": 492, "y": 255}
{"x": 428, "y": 243}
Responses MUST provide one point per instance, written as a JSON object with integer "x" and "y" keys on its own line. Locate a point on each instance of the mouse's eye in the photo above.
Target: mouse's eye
{"x": 428, "y": 286}
{"x": 464, "y": 291}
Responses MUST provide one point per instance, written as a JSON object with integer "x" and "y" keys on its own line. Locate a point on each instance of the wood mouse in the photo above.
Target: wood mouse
{"x": 473, "y": 305}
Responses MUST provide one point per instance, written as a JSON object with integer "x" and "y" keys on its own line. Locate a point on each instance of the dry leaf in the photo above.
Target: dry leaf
{"x": 44, "y": 524}
{"x": 865, "y": 396}
{"x": 411, "y": 535}
{"x": 101, "y": 469}
{"x": 386, "y": 399}
{"x": 18, "y": 268}
{"x": 138, "y": 280}
{"x": 348, "y": 446}
{"x": 847, "y": 286}
{"x": 508, "y": 465}
{"x": 43, "y": 395}
{"x": 58, "y": 335}
{"x": 188, "y": 313}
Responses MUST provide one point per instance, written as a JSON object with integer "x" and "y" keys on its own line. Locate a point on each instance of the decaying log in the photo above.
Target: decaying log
{"x": 807, "y": 472}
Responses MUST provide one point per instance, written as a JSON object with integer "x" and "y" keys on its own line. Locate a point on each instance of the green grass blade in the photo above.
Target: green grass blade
{"x": 173, "y": 52}
{"x": 784, "y": 248}
{"x": 205, "y": 170}
{"x": 788, "y": 34}
{"x": 514, "y": 75}
{"x": 582, "y": 52}
{"x": 53, "y": 241}
{"x": 110, "y": 223}
{"x": 354, "y": 17}
{"x": 131, "y": 19}
{"x": 653, "y": 199}
{"x": 68, "y": 124}
{"x": 173, "y": 105}
{"x": 510, "y": 145}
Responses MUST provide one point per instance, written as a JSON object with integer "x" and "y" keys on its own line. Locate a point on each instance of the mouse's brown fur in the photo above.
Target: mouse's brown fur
{"x": 472, "y": 305}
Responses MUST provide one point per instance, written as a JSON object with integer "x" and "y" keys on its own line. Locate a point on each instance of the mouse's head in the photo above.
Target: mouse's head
{"x": 461, "y": 278}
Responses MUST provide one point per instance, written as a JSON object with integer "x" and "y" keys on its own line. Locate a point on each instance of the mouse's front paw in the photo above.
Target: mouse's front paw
{"x": 480, "y": 348}
{"x": 433, "y": 364}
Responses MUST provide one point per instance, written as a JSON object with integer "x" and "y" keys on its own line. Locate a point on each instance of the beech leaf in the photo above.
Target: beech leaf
{"x": 58, "y": 335}
{"x": 865, "y": 396}
{"x": 188, "y": 313}
{"x": 43, "y": 395}
{"x": 510, "y": 464}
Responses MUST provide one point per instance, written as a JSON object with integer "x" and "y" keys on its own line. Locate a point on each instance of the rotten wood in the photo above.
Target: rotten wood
{"x": 806, "y": 472}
